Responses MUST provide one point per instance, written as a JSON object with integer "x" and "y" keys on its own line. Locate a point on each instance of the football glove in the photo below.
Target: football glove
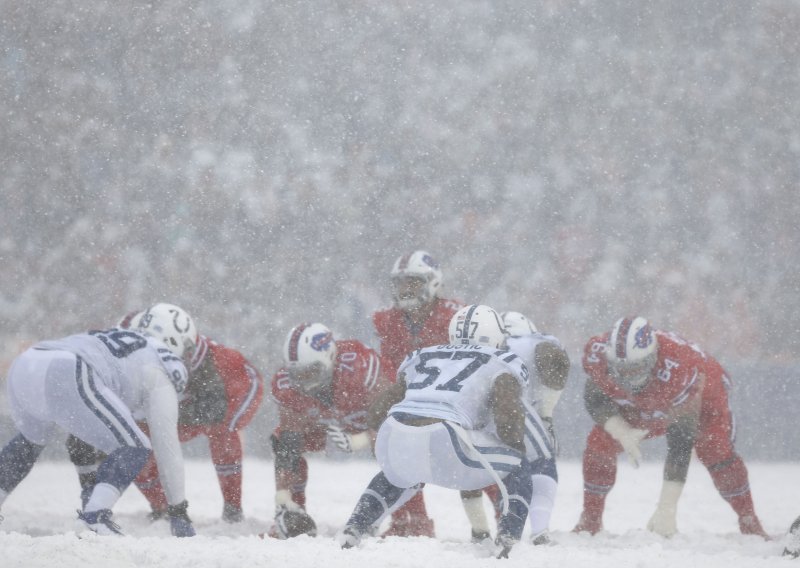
{"x": 663, "y": 520}
{"x": 179, "y": 522}
{"x": 628, "y": 437}
{"x": 348, "y": 442}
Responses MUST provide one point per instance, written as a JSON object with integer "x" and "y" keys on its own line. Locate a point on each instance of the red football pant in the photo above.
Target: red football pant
{"x": 226, "y": 455}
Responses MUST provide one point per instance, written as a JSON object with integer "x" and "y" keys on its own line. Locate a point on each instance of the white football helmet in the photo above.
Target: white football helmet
{"x": 309, "y": 355}
{"x": 416, "y": 280}
{"x": 517, "y": 324}
{"x": 632, "y": 351}
{"x": 172, "y": 325}
{"x": 477, "y": 325}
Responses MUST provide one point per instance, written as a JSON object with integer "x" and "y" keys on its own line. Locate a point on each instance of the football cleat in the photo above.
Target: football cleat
{"x": 480, "y": 536}
{"x": 541, "y": 539}
{"x": 503, "y": 545}
{"x": 410, "y": 526}
{"x": 232, "y": 513}
{"x": 100, "y": 522}
{"x": 588, "y": 523}
{"x": 157, "y": 515}
{"x": 749, "y": 524}
{"x": 350, "y": 537}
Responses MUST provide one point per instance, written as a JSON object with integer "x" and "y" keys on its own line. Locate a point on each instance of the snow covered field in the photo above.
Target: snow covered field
{"x": 40, "y": 525}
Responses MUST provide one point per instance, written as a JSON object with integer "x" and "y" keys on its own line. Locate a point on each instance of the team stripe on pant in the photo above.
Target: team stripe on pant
{"x": 125, "y": 434}
{"x": 500, "y": 458}
{"x": 537, "y": 435}
{"x": 255, "y": 381}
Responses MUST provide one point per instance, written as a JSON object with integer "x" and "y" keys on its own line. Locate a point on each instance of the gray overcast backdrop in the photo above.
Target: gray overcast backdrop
{"x": 263, "y": 163}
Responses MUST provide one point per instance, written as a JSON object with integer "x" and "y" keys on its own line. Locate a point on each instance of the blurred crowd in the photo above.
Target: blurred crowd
{"x": 263, "y": 164}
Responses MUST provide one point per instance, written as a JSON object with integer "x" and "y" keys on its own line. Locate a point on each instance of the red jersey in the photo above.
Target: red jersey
{"x": 357, "y": 379}
{"x": 244, "y": 387}
{"x": 399, "y": 337}
{"x": 224, "y": 389}
{"x": 674, "y": 380}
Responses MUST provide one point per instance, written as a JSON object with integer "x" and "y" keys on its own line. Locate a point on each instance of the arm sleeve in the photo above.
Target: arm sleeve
{"x": 387, "y": 398}
{"x": 161, "y": 413}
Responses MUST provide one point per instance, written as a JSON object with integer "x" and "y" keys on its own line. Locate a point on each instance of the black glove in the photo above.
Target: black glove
{"x": 179, "y": 522}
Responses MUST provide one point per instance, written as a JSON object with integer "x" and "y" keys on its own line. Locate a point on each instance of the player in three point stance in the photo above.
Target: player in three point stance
{"x": 222, "y": 395}
{"x": 644, "y": 383}
{"x": 323, "y": 392}
{"x": 91, "y": 385}
{"x": 455, "y": 419}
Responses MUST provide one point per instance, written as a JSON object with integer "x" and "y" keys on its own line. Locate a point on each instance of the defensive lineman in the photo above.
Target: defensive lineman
{"x": 456, "y": 420}
{"x": 92, "y": 385}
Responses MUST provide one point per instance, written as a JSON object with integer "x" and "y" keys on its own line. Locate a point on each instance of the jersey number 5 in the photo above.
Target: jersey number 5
{"x": 470, "y": 361}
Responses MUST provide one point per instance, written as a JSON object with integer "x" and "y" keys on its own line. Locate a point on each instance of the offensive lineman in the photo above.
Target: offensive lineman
{"x": 323, "y": 392}
{"x": 644, "y": 383}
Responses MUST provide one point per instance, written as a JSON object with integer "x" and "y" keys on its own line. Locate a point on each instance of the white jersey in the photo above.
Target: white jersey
{"x": 147, "y": 377}
{"x": 525, "y": 347}
{"x": 454, "y": 382}
{"x": 119, "y": 358}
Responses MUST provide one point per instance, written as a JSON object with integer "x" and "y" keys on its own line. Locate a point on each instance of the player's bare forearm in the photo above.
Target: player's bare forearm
{"x": 390, "y": 396}
{"x": 681, "y": 435}
{"x": 508, "y": 412}
{"x": 599, "y": 406}
{"x": 552, "y": 364}
{"x": 680, "y": 441}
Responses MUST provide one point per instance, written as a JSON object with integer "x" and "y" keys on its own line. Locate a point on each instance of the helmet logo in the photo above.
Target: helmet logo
{"x": 175, "y": 315}
{"x": 643, "y": 337}
{"x": 322, "y": 341}
{"x": 428, "y": 259}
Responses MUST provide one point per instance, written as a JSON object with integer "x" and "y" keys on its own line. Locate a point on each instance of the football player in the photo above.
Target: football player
{"x": 223, "y": 394}
{"x": 643, "y": 383}
{"x": 323, "y": 392}
{"x": 419, "y": 317}
{"x": 456, "y": 419}
{"x": 548, "y": 365}
{"x": 91, "y": 385}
